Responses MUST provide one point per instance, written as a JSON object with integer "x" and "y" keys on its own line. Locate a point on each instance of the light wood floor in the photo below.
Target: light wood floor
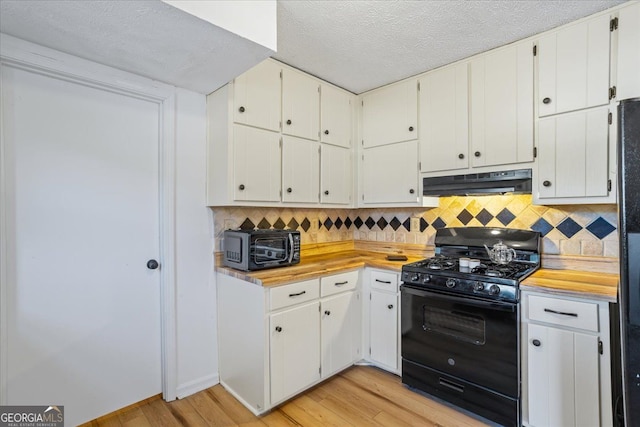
{"x": 359, "y": 396}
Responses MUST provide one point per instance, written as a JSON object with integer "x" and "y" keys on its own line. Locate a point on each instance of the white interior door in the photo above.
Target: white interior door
{"x": 83, "y": 317}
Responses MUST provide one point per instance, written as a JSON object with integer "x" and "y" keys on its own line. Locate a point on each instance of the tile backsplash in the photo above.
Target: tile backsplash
{"x": 567, "y": 230}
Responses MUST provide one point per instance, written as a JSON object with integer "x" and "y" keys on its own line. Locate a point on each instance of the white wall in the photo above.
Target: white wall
{"x": 196, "y": 293}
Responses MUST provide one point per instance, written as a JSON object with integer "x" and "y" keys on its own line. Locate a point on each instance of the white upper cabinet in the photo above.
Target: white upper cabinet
{"x": 256, "y": 96}
{"x": 573, "y": 158}
{"x": 256, "y": 164}
{"x": 573, "y": 67}
{"x": 335, "y": 175}
{"x": 390, "y": 174}
{"x": 335, "y": 116}
{"x": 300, "y": 105}
{"x": 390, "y": 114}
{"x": 444, "y": 119}
{"x": 300, "y": 170}
{"x": 502, "y": 106}
{"x": 628, "y": 84}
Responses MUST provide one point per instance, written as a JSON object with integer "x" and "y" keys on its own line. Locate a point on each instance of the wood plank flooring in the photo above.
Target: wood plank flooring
{"x": 359, "y": 396}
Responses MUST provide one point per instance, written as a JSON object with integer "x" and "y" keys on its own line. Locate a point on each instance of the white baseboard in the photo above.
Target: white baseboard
{"x": 195, "y": 386}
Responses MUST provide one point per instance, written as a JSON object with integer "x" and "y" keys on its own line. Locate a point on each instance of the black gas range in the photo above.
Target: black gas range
{"x": 460, "y": 320}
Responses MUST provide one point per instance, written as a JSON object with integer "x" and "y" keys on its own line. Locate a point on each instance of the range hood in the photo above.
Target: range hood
{"x": 512, "y": 181}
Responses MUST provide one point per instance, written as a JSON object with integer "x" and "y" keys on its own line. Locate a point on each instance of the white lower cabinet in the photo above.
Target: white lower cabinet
{"x": 383, "y": 320}
{"x": 566, "y": 369}
{"x": 339, "y": 334}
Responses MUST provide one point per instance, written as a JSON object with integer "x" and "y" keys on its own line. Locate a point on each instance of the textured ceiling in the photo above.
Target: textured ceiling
{"x": 355, "y": 44}
{"x": 149, "y": 38}
{"x": 360, "y": 45}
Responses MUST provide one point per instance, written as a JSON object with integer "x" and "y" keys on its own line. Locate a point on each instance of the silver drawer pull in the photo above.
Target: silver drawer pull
{"x": 341, "y": 283}
{"x": 562, "y": 313}
{"x": 383, "y": 281}
{"x": 298, "y": 294}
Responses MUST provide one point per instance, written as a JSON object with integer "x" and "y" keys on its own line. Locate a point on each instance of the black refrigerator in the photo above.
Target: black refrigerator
{"x": 629, "y": 227}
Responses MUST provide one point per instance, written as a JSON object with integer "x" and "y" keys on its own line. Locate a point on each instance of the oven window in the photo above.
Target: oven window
{"x": 269, "y": 249}
{"x": 461, "y": 326}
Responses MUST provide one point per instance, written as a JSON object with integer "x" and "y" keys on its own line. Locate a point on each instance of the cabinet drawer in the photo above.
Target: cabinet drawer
{"x": 338, "y": 283}
{"x": 384, "y": 281}
{"x": 574, "y": 314}
{"x": 295, "y": 293}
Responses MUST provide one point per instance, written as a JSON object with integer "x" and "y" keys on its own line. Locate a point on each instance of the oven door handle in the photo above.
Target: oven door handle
{"x": 290, "y": 249}
{"x": 461, "y": 299}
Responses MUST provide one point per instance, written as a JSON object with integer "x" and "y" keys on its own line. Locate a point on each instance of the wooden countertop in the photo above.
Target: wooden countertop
{"x": 319, "y": 265}
{"x": 601, "y": 286}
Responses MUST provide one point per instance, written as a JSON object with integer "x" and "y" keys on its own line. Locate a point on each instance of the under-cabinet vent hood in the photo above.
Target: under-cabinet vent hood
{"x": 513, "y": 181}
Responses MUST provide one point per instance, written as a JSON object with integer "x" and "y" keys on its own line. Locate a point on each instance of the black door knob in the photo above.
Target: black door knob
{"x": 536, "y": 343}
{"x": 241, "y": 109}
{"x": 241, "y": 187}
{"x": 547, "y": 183}
{"x": 411, "y": 191}
{"x": 546, "y": 101}
{"x": 410, "y": 128}
{"x": 477, "y": 154}
{"x": 327, "y": 312}
{"x": 326, "y": 132}
{"x": 278, "y": 329}
{"x": 390, "y": 306}
{"x": 289, "y": 190}
{"x": 461, "y": 156}
{"x": 326, "y": 192}
{"x": 152, "y": 264}
{"x": 288, "y": 122}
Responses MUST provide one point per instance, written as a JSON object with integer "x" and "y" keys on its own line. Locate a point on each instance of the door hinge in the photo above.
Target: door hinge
{"x": 612, "y": 92}
{"x": 609, "y": 185}
{"x": 418, "y": 86}
{"x": 362, "y": 196}
{"x": 320, "y": 370}
{"x": 318, "y": 89}
{"x": 318, "y": 134}
{"x": 280, "y": 74}
{"x": 535, "y": 152}
{"x": 280, "y": 125}
{"x": 280, "y": 142}
{"x": 419, "y": 165}
{"x": 610, "y": 117}
{"x": 600, "y": 347}
{"x": 535, "y": 50}
{"x": 369, "y": 351}
{"x": 362, "y": 102}
{"x": 613, "y": 24}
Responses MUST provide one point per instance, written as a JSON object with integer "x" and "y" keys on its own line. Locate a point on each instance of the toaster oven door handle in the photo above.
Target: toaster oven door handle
{"x": 290, "y": 248}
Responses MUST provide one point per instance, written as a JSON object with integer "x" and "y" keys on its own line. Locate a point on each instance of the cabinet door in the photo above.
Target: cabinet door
{"x": 335, "y": 116}
{"x": 573, "y": 155}
{"x": 573, "y": 67}
{"x": 300, "y": 170}
{"x": 628, "y": 85}
{"x": 390, "y": 114}
{"x": 502, "y": 106}
{"x": 256, "y": 97}
{"x": 335, "y": 175}
{"x": 339, "y": 336}
{"x": 294, "y": 350}
{"x": 444, "y": 119}
{"x": 563, "y": 378}
{"x": 256, "y": 164}
{"x": 384, "y": 328}
{"x": 300, "y": 105}
{"x": 390, "y": 173}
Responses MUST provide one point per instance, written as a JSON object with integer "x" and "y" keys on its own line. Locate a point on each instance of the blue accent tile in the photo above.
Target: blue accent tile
{"x": 601, "y": 228}
{"x": 338, "y": 223}
{"x": 358, "y": 222}
{"x": 306, "y": 224}
{"x": 542, "y": 226}
{"x": 569, "y": 227}
{"x": 465, "y": 217}
{"x": 347, "y": 223}
{"x": 382, "y": 223}
{"x": 279, "y": 224}
{"x": 328, "y": 223}
{"x": 293, "y": 224}
{"x": 423, "y": 224}
{"x": 439, "y": 223}
{"x": 370, "y": 223}
{"x": 395, "y": 223}
{"x": 484, "y": 216}
{"x": 505, "y": 216}
{"x": 264, "y": 224}
{"x": 247, "y": 225}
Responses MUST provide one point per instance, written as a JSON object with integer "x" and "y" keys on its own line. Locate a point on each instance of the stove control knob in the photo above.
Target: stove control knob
{"x": 451, "y": 283}
{"x": 494, "y": 289}
{"x": 478, "y": 286}
{"x": 415, "y": 277}
{"x": 426, "y": 278}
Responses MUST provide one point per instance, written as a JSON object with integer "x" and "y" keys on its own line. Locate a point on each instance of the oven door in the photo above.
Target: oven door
{"x": 468, "y": 338}
{"x": 271, "y": 249}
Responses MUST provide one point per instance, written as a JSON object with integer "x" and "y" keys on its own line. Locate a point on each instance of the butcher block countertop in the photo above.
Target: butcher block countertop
{"x": 601, "y": 286}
